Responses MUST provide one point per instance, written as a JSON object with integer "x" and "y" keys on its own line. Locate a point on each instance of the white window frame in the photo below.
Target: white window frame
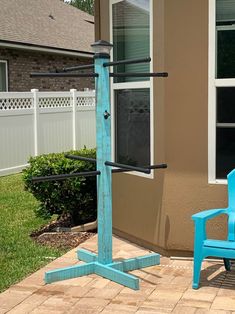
{"x": 5, "y": 62}
{"x": 134, "y": 85}
{"x": 213, "y": 83}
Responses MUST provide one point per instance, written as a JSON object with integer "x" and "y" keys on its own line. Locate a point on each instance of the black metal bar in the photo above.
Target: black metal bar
{"x": 128, "y": 61}
{"x": 160, "y": 166}
{"x": 59, "y": 177}
{"x": 54, "y": 74}
{"x": 127, "y": 167}
{"x": 121, "y": 170}
{"x": 75, "y": 68}
{"x": 143, "y": 74}
{"x": 75, "y": 157}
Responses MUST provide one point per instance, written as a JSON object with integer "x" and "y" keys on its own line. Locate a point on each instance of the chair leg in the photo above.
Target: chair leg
{"x": 196, "y": 271}
{"x": 227, "y": 264}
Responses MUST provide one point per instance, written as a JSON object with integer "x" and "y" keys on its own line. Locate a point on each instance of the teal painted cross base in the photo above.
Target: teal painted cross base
{"x": 114, "y": 271}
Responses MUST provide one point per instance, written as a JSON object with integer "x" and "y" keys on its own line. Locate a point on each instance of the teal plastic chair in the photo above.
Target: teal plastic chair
{"x": 204, "y": 247}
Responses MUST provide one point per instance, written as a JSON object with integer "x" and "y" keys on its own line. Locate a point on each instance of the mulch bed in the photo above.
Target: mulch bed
{"x": 46, "y": 235}
{"x": 63, "y": 240}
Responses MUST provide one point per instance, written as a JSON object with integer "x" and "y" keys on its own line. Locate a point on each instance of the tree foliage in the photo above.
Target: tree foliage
{"x": 84, "y": 5}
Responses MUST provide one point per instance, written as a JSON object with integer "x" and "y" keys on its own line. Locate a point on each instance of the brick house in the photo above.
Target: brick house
{"x": 42, "y": 35}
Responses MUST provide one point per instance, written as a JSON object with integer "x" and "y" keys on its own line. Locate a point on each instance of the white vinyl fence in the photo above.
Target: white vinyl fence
{"x": 35, "y": 123}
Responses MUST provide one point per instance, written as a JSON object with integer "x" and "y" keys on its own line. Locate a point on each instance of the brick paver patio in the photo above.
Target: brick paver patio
{"x": 163, "y": 289}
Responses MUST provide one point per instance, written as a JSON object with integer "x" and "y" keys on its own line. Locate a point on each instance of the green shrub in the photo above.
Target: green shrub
{"x": 75, "y": 197}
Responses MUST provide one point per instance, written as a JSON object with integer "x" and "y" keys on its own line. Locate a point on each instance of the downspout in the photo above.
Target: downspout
{"x": 97, "y": 20}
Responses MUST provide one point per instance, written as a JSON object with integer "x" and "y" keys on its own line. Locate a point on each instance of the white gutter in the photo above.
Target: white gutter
{"x": 44, "y": 49}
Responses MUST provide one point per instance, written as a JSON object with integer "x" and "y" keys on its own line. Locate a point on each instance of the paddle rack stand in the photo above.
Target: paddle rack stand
{"x": 103, "y": 264}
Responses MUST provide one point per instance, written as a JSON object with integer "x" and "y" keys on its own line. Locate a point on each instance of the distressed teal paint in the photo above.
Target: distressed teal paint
{"x": 86, "y": 256}
{"x": 117, "y": 276}
{"x": 137, "y": 263}
{"x": 69, "y": 272}
{"x": 114, "y": 271}
{"x": 102, "y": 264}
{"x": 104, "y": 180}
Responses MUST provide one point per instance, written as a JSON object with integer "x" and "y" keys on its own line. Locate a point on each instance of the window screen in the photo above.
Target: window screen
{"x": 131, "y": 35}
{"x": 133, "y": 126}
{"x": 3, "y": 76}
{"x": 225, "y": 11}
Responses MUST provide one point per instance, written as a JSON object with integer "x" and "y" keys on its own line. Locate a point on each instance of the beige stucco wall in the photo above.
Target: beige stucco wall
{"x": 157, "y": 213}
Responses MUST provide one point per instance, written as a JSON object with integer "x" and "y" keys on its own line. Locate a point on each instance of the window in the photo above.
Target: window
{"x": 221, "y": 89}
{"x": 3, "y": 76}
{"x": 132, "y": 115}
{"x": 131, "y": 97}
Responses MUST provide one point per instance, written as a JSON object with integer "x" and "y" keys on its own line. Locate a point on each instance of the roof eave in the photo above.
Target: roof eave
{"x": 33, "y": 47}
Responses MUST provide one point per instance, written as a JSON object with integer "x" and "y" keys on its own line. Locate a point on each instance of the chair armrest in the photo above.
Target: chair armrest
{"x": 208, "y": 214}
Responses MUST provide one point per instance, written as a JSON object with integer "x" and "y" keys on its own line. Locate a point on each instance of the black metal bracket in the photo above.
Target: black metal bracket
{"x": 75, "y": 157}
{"x": 160, "y": 166}
{"x": 128, "y": 61}
{"x": 62, "y": 74}
{"x": 76, "y": 68}
{"x": 59, "y": 177}
{"x": 127, "y": 167}
{"x": 122, "y": 168}
{"x": 106, "y": 114}
{"x": 143, "y": 74}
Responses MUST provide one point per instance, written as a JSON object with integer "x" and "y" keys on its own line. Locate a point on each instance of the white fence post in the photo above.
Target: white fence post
{"x": 35, "y": 122}
{"x": 74, "y": 120}
{"x": 35, "y": 119}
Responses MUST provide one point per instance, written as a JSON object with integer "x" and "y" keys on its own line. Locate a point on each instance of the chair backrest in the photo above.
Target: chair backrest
{"x": 231, "y": 190}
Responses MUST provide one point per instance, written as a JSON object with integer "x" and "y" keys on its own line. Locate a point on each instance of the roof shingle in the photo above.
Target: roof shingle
{"x": 48, "y": 23}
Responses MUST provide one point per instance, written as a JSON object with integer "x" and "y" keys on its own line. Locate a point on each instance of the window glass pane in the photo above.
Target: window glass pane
{"x": 131, "y": 36}
{"x": 225, "y": 12}
{"x": 225, "y": 152}
{"x": 226, "y": 105}
{"x": 3, "y": 85}
{"x": 225, "y": 20}
{"x": 225, "y": 53}
{"x": 133, "y": 126}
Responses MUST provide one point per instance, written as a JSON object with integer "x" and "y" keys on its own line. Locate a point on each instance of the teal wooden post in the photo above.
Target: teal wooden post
{"x": 102, "y": 264}
{"x": 103, "y": 153}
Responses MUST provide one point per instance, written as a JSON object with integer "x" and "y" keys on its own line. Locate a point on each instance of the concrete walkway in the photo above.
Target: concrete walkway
{"x": 163, "y": 289}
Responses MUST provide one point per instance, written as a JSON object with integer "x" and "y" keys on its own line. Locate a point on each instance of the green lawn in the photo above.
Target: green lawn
{"x": 19, "y": 255}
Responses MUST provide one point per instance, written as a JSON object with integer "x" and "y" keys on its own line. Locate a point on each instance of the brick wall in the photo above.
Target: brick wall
{"x": 21, "y": 63}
